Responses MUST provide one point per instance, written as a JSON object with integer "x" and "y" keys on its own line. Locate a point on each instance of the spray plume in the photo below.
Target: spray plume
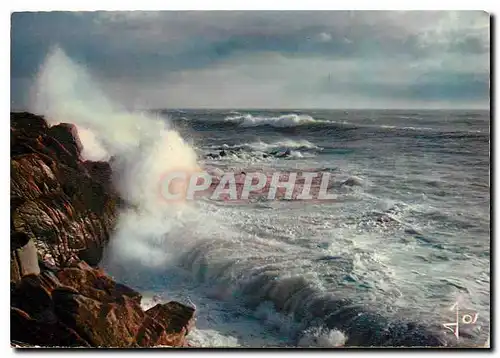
{"x": 142, "y": 146}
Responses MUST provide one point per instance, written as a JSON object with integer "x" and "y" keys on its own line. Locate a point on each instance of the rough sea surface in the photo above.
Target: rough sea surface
{"x": 382, "y": 265}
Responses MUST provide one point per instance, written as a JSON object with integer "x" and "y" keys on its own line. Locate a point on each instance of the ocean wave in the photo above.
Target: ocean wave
{"x": 286, "y": 120}
{"x": 259, "y": 150}
{"x": 254, "y": 157}
{"x": 332, "y": 319}
{"x": 307, "y": 122}
{"x": 263, "y": 146}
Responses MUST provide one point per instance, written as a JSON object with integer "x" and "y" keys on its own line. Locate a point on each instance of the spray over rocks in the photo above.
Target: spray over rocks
{"x": 141, "y": 147}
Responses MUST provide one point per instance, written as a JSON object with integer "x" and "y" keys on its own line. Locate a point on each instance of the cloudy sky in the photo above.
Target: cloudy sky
{"x": 266, "y": 59}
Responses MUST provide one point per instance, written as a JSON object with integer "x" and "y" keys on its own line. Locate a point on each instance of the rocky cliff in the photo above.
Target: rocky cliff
{"x": 62, "y": 212}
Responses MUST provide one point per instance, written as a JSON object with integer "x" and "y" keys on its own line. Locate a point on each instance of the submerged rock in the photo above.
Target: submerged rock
{"x": 284, "y": 154}
{"x": 353, "y": 181}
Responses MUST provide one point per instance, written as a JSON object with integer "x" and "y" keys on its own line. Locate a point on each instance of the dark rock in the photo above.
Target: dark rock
{"x": 99, "y": 171}
{"x": 67, "y": 135}
{"x": 92, "y": 254}
{"x": 108, "y": 314}
{"x": 15, "y": 270}
{"x": 49, "y": 281}
{"x": 31, "y": 177}
{"x": 58, "y": 150}
{"x": 18, "y": 240}
{"x": 95, "y": 284}
{"x": 84, "y": 307}
{"x": 166, "y": 324}
{"x": 32, "y": 297}
{"x": 28, "y": 123}
{"x": 176, "y": 316}
{"x": 353, "y": 181}
{"x": 411, "y": 231}
{"x": 62, "y": 210}
{"x": 102, "y": 324}
{"x": 26, "y": 331}
{"x": 65, "y": 206}
{"x": 66, "y": 222}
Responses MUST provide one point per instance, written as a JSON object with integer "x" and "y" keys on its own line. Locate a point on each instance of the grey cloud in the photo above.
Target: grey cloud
{"x": 431, "y": 86}
{"x": 150, "y": 49}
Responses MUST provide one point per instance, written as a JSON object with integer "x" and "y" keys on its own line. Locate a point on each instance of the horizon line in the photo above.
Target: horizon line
{"x": 321, "y": 109}
{"x": 291, "y": 109}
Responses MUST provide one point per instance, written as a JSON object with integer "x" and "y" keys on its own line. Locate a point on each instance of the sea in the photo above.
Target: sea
{"x": 401, "y": 257}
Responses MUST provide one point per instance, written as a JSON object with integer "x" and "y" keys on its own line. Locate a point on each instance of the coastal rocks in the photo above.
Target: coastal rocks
{"x": 103, "y": 323}
{"x": 121, "y": 322}
{"x": 95, "y": 284}
{"x": 24, "y": 257}
{"x": 67, "y": 135}
{"x": 167, "y": 324}
{"x": 64, "y": 205}
{"x": 82, "y": 306}
{"x": 71, "y": 212}
{"x": 62, "y": 211}
{"x": 32, "y": 176}
{"x": 32, "y": 297}
{"x": 33, "y": 320}
{"x": 29, "y": 124}
{"x": 27, "y": 332}
{"x": 100, "y": 172}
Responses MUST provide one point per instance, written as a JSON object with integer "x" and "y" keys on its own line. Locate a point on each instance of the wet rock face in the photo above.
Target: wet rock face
{"x": 104, "y": 323}
{"x": 28, "y": 331}
{"x": 166, "y": 324}
{"x": 67, "y": 135}
{"x": 62, "y": 211}
{"x": 95, "y": 284}
{"x": 66, "y": 206}
{"x": 81, "y": 306}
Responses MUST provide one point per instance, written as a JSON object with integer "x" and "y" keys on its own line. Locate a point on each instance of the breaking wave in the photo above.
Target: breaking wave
{"x": 263, "y": 146}
{"x": 291, "y": 121}
{"x": 286, "y": 120}
{"x": 259, "y": 150}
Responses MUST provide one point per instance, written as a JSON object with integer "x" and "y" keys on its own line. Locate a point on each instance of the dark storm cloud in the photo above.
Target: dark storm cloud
{"x": 147, "y": 48}
{"x": 431, "y": 86}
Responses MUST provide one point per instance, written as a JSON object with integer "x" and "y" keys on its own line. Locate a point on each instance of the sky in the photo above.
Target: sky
{"x": 265, "y": 59}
